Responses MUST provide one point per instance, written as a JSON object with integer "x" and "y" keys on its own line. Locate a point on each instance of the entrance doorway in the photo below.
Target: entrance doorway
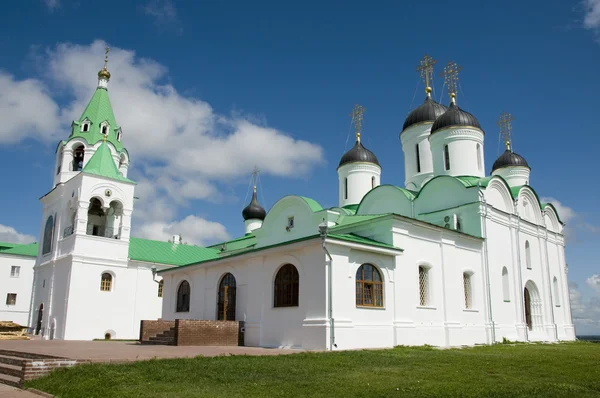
{"x": 528, "y": 309}
{"x": 226, "y": 298}
{"x": 40, "y": 316}
{"x": 533, "y": 307}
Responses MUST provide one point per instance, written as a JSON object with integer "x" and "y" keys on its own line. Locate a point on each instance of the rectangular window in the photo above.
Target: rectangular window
{"x": 446, "y": 158}
{"x": 11, "y": 299}
{"x": 468, "y": 290}
{"x": 290, "y": 222}
{"x": 418, "y": 159}
{"x": 345, "y": 188}
{"x": 15, "y": 271}
{"x": 423, "y": 286}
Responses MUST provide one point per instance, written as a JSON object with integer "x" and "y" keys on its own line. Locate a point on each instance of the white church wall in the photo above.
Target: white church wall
{"x": 19, "y": 284}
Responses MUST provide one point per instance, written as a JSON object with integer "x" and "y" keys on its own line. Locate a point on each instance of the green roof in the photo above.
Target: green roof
{"x": 244, "y": 242}
{"x": 97, "y": 111}
{"x": 154, "y": 251}
{"x": 313, "y": 204}
{"x": 18, "y": 249}
{"x": 102, "y": 163}
{"x": 349, "y": 220}
{"x": 362, "y": 240}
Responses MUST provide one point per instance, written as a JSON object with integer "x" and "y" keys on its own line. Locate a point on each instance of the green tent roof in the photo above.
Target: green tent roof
{"x": 97, "y": 111}
{"x": 102, "y": 163}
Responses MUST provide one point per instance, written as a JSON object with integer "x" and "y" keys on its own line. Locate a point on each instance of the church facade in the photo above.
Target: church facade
{"x": 456, "y": 257}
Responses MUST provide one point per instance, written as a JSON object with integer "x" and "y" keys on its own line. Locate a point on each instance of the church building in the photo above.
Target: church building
{"x": 455, "y": 257}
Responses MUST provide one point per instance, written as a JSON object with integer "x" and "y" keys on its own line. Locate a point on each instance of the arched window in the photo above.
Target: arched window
{"x": 285, "y": 292}
{"x": 106, "y": 282}
{"x": 345, "y": 188}
{"x": 479, "y": 157}
{"x": 226, "y": 298}
{"x": 104, "y": 129}
{"x": 78, "y": 155}
{"x": 183, "y": 297}
{"x": 418, "y": 158}
{"x": 369, "y": 286}
{"x": 446, "y": 158}
{"x": 505, "y": 286}
{"x": 372, "y": 182}
{"x": 556, "y": 292}
{"x": 85, "y": 127}
{"x": 468, "y": 290}
{"x": 160, "y": 288}
{"x": 48, "y": 235}
{"x": 527, "y": 254}
{"x": 119, "y": 134}
{"x": 423, "y": 285}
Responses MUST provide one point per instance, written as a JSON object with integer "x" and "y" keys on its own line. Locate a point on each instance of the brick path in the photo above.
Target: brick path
{"x": 12, "y": 392}
{"x": 118, "y": 351}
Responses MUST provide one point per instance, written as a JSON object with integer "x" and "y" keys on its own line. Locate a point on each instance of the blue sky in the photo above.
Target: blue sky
{"x": 273, "y": 83}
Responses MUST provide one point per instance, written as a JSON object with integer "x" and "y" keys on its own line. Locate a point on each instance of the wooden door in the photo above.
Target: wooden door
{"x": 528, "y": 309}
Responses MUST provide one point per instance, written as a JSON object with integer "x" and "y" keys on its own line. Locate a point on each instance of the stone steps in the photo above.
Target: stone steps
{"x": 11, "y": 380}
{"x": 166, "y": 337}
{"x": 11, "y": 370}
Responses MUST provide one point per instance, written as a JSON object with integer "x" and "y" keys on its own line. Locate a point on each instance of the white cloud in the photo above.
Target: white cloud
{"x": 585, "y": 312}
{"x": 9, "y": 234}
{"x": 181, "y": 150}
{"x": 194, "y": 230}
{"x": 591, "y": 19}
{"x": 52, "y": 4}
{"x": 594, "y": 282}
{"x": 576, "y": 227}
{"x": 164, "y": 13}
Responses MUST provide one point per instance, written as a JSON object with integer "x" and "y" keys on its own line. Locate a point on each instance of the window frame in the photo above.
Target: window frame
{"x": 418, "y": 152}
{"x": 446, "y": 158}
{"x": 9, "y": 296}
{"x": 375, "y": 293}
{"x": 424, "y": 286}
{"x": 161, "y": 287}
{"x": 528, "y": 255}
{"x": 505, "y": 285}
{"x": 286, "y": 292}
{"x": 106, "y": 285}
{"x": 48, "y": 236}
{"x": 16, "y": 268}
{"x": 184, "y": 304}
{"x": 468, "y": 296}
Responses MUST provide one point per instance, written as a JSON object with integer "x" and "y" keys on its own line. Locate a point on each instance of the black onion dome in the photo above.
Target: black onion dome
{"x": 254, "y": 210}
{"x": 455, "y": 116}
{"x": 359, "y": 153}
{"x": 510, "y": 159}
{"x": 428, "y": 111}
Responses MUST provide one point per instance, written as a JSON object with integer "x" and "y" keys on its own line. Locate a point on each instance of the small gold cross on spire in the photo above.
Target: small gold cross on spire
{"x": 504, "y": 122}
{"x": 426, "y": 69}
{"x": 106, "y": 56}
{"x": 255, "y": 177}
{"x": 450, "y": 74}
{"x": 357, "y": 119}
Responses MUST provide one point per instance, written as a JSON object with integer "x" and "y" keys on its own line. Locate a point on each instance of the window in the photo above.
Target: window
{"x": 15, "y": 271}
{"x": 78, "y": 155}
{"x": 446, "y": 158}
{"x": 85, "y": 127}
{"x": 226, "y": 298}
{"x": 285, "y": 292}
{"x": 290, "y": 223}
{"x": 458, "y": 224}
{"x": 369, "y": 286}
{"x": 106, "y": 282}
{"x": 119, "y": 134}
{"x": 345, "y": 188}
{"x": 183, "y": 297}
{"x": 468, "y": 290}
{"x": 556, "y": 292}
{"x": 505, "y": 287}
{"x": 160, "y": 288}
{"x": 11, "y": 299}
{"x": 423, "y": 286}
{"x": 527, "y": 254}
{"x": 372, "y": 182}
{"x": 479, "y": 157}
{"x": 104, "y": 129}
{"x": 418, "y": 158}
{"x": 48, "y": 232}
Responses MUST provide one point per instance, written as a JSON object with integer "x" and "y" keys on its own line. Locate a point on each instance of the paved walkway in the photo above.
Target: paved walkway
{"x": 120, "y": 351}
{"x": 12, "y": 392}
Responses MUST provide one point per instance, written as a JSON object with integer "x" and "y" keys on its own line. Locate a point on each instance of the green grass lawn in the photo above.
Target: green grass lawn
{"x": 545, "y": 370}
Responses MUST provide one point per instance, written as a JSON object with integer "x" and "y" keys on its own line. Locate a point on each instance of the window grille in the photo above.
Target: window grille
{"x": 369, "y": 286}
{"x": 286, "y": 289}
{"x": 468, "y": 290}
{"x": 160, "y": 288}
{"x": 11, "y": 299}
{"x": 106, "y": 282}
{"x": 15, "y": 271}
{"x": 423, "y": 286}
{"x": 183, "y": 297}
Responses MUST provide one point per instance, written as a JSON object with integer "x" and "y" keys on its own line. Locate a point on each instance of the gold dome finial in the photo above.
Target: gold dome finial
{"x": 104, "y": 73}
{"x": 357, "y": 119}
{"x": 426, "y": 69}
{"x": 450, "y": 74}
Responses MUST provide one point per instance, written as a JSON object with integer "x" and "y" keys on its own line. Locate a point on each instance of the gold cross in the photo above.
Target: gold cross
{"x": 450, "y": 74}
{"x": 357, "y": 119}
{"x": 106, "y": 57}
{"x": 504, "y": 122}
{"x": 426, "y": 70}
{"x": 255, "y": 176}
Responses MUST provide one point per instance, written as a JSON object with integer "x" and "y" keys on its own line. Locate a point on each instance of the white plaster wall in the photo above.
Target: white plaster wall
{"x": 462, "y": 146}
{"x": 514, "y": 176}
{"x": 21, "y": 285}
{"x": 411, "y": 137}
{"x": 360, "y": 181}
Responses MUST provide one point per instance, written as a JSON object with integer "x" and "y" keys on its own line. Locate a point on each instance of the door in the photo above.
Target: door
{"x": 226, "y": 299}
{"x": 528, "y": 309}
{"x": 38, "y": 326}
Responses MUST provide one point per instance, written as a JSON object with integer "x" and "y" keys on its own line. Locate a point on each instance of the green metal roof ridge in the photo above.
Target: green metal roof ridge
{"x": 313, "y": 204}
{"x": 154, "y": 251}
{"x": 408, "y": 194}
{"x": 351, "y": 237}
{"x": 19, "y": 249}
{"x": 555, "y": 211}
{"x": 102, "y": 163}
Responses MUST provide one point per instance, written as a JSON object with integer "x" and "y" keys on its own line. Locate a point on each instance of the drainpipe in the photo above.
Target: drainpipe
{"x": 486, "y": 263}
{"x": 323, "y": 233}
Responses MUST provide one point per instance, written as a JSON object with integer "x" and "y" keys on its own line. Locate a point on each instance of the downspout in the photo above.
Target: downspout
{"x": 323, "y": 233}
{"x": 486, "y": 263}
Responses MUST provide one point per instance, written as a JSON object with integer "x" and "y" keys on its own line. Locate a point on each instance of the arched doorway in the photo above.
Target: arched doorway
{"x": 40, "y": 316}
{"x": 226, "y": 298}
{"x": 533, "y": 307}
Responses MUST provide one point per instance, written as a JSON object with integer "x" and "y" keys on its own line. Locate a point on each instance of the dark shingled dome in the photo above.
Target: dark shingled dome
{"x": 358, "y": 153}
{"x": 509, "y": 159}
{"x": 254, "y": 210}
{"x": 455, "y": 116}
{"x": 428, "y": 111}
